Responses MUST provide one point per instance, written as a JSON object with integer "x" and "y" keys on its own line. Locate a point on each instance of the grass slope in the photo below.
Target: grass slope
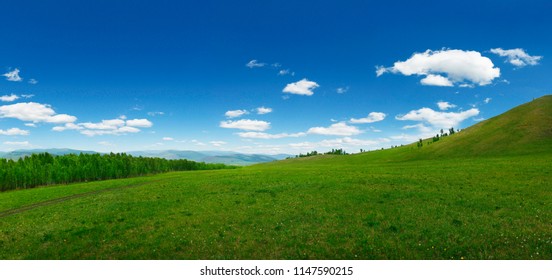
{"x": 483, "y": 202}
{"x": 526, "y": 129}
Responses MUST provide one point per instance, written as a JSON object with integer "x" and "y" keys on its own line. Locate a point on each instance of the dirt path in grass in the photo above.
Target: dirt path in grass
{"x": 18, "y": 210}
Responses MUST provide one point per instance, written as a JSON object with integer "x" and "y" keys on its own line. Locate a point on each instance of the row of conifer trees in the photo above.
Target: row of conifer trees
{"x": 46, "y": 169}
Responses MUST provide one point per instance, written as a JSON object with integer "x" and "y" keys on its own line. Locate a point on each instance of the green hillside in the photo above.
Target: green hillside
{"x": 526, "y": 129}
{"x": 483, "y": 193}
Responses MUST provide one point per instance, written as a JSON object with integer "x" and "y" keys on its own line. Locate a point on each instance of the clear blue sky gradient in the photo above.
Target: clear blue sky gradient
{"x": 99, "y": 60}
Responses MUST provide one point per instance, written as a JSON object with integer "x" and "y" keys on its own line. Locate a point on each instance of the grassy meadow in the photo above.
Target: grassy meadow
{"x": 400, "y": 203}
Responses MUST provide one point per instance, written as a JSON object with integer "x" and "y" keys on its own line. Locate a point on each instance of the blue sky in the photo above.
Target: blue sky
{"x": 263, "y": 76}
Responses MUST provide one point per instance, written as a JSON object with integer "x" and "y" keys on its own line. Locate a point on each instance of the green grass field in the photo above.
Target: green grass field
{"x": 464, "y": 197}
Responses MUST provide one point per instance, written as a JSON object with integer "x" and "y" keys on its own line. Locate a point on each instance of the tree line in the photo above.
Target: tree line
{"x": 46, "y": 169}
{"x": 315, "y": 153}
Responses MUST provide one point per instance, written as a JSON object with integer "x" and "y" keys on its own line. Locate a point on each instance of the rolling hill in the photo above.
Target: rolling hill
{"x": 526, "y": 129}
{"x": 482, "y": 193}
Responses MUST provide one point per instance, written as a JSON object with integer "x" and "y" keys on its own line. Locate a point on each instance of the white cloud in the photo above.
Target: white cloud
{"x": 439, "y": 119}
{"x": 217, "y": 143}
{"x": 106, "y": 127}
{"x": 198, "y": 143}
{"x": 153, "y": 114}
{"x": 14, "y": 131}
{"x": 487, "y": 100}
{"x": 235, "y": 113}
{"x": 103, "y": 125}
{"x": 139, "y": 123}
{"x": 33, "y": 82}
{"x": 283, "y": 72}
{"x": 262, "y": 135}
{"x": 380, "y": 70}
{"x": 342, "y": 90}
{"x": 13, "y": 76}
{"x": 302, "y": 87}
{"x": 340, "y": 129}
{"x": 372, "y": 117}
{"x": 168, "y": 139}
{"x": 443, "y": 105}
{"x": 263, "y": 110}
{"x": 67, "y": 126}
{"x": 105, "y": 143}
{"x": 421, "y": 127}
{"x": 246, "y": 124}
{"x": 19, "y": 144}
{"x": 254, "y": 63}
{"x": 34, "y": 112}
{"x": 30, "y": 124}
{"x": 9, "y": 98}
{"x": 436, "y": 80}
{"x": 517, "y": 57}
{"x": 460, "y": 67}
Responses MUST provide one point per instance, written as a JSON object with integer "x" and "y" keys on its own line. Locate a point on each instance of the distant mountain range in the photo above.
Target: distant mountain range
{"x": 231, "y": 158}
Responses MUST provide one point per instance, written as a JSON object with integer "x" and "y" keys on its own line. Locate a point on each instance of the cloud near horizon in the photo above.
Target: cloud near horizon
{"x": 118, "y": 126}
{"x": 246, "y": 124}
{"x": 438, "y": 120}
{"x": 14, "y": 131}
{"x": 338, "y": 129}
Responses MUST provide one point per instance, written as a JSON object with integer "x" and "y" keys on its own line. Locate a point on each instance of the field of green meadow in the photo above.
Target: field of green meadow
{"x": 400, "y": 203}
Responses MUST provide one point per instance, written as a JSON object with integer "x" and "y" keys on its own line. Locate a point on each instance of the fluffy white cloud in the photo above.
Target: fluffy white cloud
{"x": 34, "y": 112}
{"x": 459, "y": 66}
{"x": 13, "y": 76}
{"x": 106, "y": 127}
{"x": 246, "y": 124}
{"x": 339, "y": 129}
{"x": 302, "y": 87}
{"x": 487, "y": 100}
{"x": 139, "y": 123}
{"x": 517, "y": 57}
{"x": 443, "y": 105}
{"x": 372, "y": 117}
{"x": 168, "y": 139}
{"x": 254, "y": 64}
{"x": 14, "y": 131}
{"x": 262, "y": 135}
{"x": 436, "y": 80}
{"x": 67, "y": 126}
{"x": 9, "y": 98}
{"x": 235, "y": 113}
{"x": 263, "y": 110}
{"x": 438, "y": 119}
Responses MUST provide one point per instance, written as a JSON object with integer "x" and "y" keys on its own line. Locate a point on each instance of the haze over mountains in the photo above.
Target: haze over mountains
{"x": 231, "y": 158}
